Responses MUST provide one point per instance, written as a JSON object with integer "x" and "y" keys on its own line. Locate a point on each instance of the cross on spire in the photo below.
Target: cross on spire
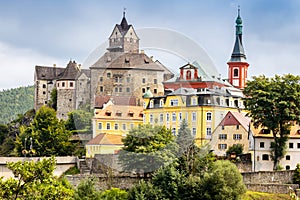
{"x": 124, "y": 11}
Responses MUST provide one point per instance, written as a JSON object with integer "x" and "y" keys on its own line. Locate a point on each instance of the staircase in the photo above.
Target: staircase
{"x": 84, "y": 169}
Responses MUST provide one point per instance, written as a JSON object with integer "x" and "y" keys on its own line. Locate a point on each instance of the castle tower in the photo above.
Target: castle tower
{"x": 123, "y": 38}
{"x": 237, "y": 65}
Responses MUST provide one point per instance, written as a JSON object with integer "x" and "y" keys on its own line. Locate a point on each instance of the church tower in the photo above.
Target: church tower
{"x": 123, "y": 38}
{"x": 237, "y": 65}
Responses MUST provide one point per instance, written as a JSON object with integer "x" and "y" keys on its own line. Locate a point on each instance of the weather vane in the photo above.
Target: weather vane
{"x": 124, "y": 10}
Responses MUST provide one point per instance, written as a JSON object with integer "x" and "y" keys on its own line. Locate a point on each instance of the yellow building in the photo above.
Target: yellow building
{"x": 203, "y": 109}
{"x": 117, "y": 119}
{"x": 104, "y": 143}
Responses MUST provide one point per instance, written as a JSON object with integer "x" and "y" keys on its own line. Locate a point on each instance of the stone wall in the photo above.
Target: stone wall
{"x": 62, "y": 164}
{"x": 270, "y": 181}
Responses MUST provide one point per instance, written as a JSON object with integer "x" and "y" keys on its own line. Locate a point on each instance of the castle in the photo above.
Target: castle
{"x": 123, "y": 71}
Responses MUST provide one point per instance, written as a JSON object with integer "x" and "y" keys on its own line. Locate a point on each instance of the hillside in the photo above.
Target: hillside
{"x": 15, "y": 101}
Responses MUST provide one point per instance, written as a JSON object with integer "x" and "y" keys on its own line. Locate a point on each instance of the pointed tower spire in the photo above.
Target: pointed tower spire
{"x": 237, "y": 73}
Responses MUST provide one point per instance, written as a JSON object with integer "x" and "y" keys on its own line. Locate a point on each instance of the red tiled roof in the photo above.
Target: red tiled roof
{"x": 236, "y": 118}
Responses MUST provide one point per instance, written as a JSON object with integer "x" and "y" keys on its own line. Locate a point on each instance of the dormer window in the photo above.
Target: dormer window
{"x": 126, "y": 60}
{"x": 151, "y": 104}
{"x": 130, "y": 114}
{"x": 108, "y": 113}
{"x": 119, "y": 113}
{"x": 161, "y": 103}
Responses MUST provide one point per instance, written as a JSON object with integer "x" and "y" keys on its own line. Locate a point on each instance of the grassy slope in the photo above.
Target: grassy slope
{"x": 264, "y": 196}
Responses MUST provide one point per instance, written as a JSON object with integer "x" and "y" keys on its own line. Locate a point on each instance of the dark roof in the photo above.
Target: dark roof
{"x": 238, "y": 53}
{"x": 117, "y": 100}
{"x": 71, "y": 71}
{"x": 48, "y": 73}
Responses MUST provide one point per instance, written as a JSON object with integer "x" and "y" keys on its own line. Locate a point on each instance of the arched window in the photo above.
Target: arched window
{"x": 188, "y": 75}
{"x": 236, "y": 72}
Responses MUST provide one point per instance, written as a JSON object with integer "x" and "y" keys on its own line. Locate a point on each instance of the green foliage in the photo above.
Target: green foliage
{"x": 86, "y": 191}
{"x": 213, "y": 180}
{"x": 184, "y": 138}
{"x": 72, "y": 171}
{"x": 3, "y": 132}
{"x": 146, "y": 148}
{"x": 236, "y": 148}
{"x": 274, "y": 103}
{"x": 35, "y": 180}
{"x": 296, "y": 176}
{"x": 53, "y": 99}
{"x": 14, "y": 102}
{"x": 114, "y": 194}
{"x": 79, "y": 121}
{"x": 145, "y": 191}
{"x": 49, "y": 135}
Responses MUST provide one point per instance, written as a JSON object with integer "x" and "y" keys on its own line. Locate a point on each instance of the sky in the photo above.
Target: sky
{"x": 48, "y": 32}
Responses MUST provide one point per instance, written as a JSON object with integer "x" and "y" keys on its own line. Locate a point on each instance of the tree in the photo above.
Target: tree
{"x": 46, "y": 136}
{"x": 114, "y": 194}
{"x": 53, "y": 99}
{"x": 296, "y": 176}
{"x": 146, "y": 148}
{"x": 79, "y": 121}
{"x": 3, "y": 132}
{"x": 223, "y": 181}
{"x": 274, "y": 103}
{"x": 236, "y": 148}
{"x": 86, "y": 190}
{"x": 35, "y": 180}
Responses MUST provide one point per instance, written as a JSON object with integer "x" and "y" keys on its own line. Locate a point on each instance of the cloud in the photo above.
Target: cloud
{"x": 17, "y": 65}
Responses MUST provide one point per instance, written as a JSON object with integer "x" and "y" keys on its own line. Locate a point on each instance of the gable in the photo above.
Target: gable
{"x": 131, "y": 33}
{"x": 114, "y": 35}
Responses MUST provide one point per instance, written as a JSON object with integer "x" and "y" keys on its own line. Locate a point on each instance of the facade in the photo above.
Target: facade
{"x": 203, "y": 110}
{"x": 259, "y": 144}
{"x": 72, "y": 84}
{"x": 116, "y": 119}
{"x": 233, "y": 129}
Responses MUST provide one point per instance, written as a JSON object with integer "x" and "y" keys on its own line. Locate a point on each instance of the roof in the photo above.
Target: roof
{"x": 71, "y": 71}
{"x": 48, "y": 73}
{"x": 116, "y": 100}
{"x": 236, "y": 118}
{"x": 106, "y": 139}
{"x": 238, "y": 53}
{"x": 120, "y": 112}
{"x": 263, "y": 132}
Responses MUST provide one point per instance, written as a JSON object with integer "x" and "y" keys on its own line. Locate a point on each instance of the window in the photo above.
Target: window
{"x": 208, "y": 131}
{"x": 128, "y": 80}
{"x": 161, "y": 103}
{"x": 155, "y": 81}
{"x": 262, "y": 145}
{"x": 288, "y": 157}
{"x": 237, "y": 127}
{"x": 120, "y": 89}
{"x": 116, "y": 126}
{"x": 124, "y": 127}
{"x": 188, "y": 75}
{"x": 223, "y": 127}
{"x": 180, "y": 116}
{"x": 167, "y": 117}
{"x": 237, "y": 136}
{"x": 287, "y": 167}
{"x": 151, "y": 104}
{"x": 100, "y": 126}
{"x": 174, "y": 131}
{"x": 161, "y": 117}
{"x": 222, "y": 136}
{"x": 101, "y": 79}
{"x": 44, "y": 92}
{"x": 128, "y": 89}
{"x": 143, "y": 90}
{"x": 265, "y": 157}
{"x": 101, "y": 88}
{"x": 208, "y": 116}
{"x": 194, "y": 116}
{"x": 174, "y": 117}
{"x": 298, "y": 145}
{"x": 143, "y": 80}
{"x": 223, "y": 146}
{"x": 131, "y": 126}
{"x": 291, "y": 145}
{"x": 116, "y": 89}
{"x": 108, "y": 75}
{"x": 63, "y": 84}
{"x": 44, "y": 85}
{"x": 151, "y": 119}
{"x": 174, "y": 102}
{"x": 155, "y": 91}
{"x": 107, "y": 126}
{"x": 194, "y": 131}
{"x": 236, "y": 72}
{"x": 194, "y": 101}
{"x": 71, "y": 84}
